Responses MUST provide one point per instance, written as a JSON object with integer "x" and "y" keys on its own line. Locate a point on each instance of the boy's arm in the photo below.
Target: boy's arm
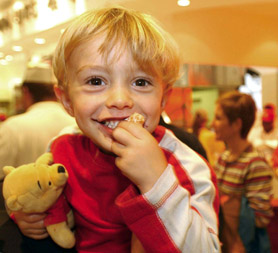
{"x": 167, "y": 218}
{"x": 179, "y": 214}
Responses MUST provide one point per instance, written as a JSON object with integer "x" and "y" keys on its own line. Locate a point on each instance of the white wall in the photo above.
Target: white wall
{"x": 269, "y": 85}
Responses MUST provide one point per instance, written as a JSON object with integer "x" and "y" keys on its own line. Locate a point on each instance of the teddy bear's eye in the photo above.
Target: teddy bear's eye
{"x": 49, "y": 183}
{"x": 39, "y": 184}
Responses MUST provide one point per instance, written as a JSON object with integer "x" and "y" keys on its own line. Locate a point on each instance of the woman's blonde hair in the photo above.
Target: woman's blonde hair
{"x": 152, "y": 48}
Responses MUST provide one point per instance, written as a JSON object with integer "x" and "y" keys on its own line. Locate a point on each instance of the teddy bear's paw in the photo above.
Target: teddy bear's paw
{"x": 62, "y": 235}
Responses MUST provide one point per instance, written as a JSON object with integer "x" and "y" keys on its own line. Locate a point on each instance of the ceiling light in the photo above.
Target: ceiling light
{"x": 9, "y": 58}
{"x": 39, "y": 41}
{"x": 183, "y": 2}
{"x": 3, "y": 62}
{"x": 18, "y": 6}
{"x": 35, "y": 60}
{"x": 16, "y": 81}
{"x": 17, "y": 48}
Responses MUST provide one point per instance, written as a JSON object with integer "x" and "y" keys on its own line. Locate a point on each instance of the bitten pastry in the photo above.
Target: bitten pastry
{"x": 136, "y": 118}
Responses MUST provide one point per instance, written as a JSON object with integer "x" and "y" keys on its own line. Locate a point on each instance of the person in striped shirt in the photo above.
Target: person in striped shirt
{"x": 244, "y": 177}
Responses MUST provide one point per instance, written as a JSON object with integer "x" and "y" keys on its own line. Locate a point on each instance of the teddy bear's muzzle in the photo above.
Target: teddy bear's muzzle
{"x": 59, "y": 174}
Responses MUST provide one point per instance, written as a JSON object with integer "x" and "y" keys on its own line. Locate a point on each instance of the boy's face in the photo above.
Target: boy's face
{"x": 101, "y": 93}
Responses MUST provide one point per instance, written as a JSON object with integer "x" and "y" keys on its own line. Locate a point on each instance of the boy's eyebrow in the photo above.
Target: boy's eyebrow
{"x": 89, "y": 67}
{"x": 106, "y": 67}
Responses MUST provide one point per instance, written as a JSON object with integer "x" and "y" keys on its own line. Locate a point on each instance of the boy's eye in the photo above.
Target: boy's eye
{"x": 95, "y": 81}
{"x": 141, "y": 82}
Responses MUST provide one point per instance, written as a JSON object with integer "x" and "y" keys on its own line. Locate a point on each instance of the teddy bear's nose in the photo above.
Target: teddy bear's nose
{"x": 61, "y": 169}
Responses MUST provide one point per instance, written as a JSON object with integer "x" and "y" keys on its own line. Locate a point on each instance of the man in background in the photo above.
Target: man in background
{"x": 264, "y": 137}
{"x": 24, "y": 137}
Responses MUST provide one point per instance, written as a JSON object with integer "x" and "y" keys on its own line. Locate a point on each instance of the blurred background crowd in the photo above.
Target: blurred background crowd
{"x": 201, "y": 110}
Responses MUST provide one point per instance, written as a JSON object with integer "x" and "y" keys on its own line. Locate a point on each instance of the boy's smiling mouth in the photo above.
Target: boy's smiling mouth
{"x": 112, "y": 124}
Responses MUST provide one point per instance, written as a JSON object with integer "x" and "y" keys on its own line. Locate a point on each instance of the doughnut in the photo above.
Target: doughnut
{"x": 136, "y": 118}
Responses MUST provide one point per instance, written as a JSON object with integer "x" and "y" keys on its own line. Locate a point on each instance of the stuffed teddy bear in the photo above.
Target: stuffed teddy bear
{"x": 34, "y": 188}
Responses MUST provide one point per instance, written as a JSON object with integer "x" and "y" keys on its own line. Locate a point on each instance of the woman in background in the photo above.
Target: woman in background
{"x": 244, "y": 178}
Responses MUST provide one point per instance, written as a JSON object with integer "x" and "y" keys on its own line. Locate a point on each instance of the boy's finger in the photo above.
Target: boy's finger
{"x": 123, "y": 135}
{"x": 135, "y": 129}
{"x": 34, "y": 218}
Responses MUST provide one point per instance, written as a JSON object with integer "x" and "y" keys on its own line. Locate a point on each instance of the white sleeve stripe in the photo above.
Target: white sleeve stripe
{"x": 166, "y": 195}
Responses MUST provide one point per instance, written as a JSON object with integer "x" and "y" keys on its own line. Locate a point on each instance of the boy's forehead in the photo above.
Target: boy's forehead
{"x": 80, "y": 64}
{"x": 89, "y": 51}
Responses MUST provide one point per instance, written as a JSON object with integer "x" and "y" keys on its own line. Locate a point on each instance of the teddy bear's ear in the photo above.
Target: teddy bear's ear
{"x": 12, "y": 203}
{"x": 45, "y": 158}
{"x": 8, "y": 169}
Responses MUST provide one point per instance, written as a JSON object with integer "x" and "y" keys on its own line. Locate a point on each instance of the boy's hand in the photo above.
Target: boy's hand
{"x": 31, "y": 225}
{"x": 139, "y": 156}
{"x": 136, "y": 245}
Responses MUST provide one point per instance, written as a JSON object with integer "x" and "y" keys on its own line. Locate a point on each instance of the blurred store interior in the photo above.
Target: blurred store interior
{"x": 224, "y": 44}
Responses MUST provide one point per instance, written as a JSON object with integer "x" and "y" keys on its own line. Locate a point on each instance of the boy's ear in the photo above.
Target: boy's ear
{"x": 165, "y": 99}
{"x": 63, "y": 97}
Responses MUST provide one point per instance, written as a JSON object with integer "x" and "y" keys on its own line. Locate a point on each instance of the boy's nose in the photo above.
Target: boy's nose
{"x": 119, "y": 98}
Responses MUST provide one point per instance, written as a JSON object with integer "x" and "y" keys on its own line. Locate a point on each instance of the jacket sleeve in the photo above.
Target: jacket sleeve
{"x": 179, "y": 214}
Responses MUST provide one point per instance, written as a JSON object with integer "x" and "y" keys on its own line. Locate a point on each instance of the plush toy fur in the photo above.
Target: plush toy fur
{"x": 34, "y": 188}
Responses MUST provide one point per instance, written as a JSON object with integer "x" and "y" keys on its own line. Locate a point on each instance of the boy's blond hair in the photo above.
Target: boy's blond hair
{"x": 152, "y": 48}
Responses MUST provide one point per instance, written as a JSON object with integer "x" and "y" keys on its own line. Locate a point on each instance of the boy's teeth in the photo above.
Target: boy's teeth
{"x": 112, "y": 124}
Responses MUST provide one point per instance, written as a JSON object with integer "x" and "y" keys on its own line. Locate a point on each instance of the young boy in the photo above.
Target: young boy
{"x": 125, "y": 178}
